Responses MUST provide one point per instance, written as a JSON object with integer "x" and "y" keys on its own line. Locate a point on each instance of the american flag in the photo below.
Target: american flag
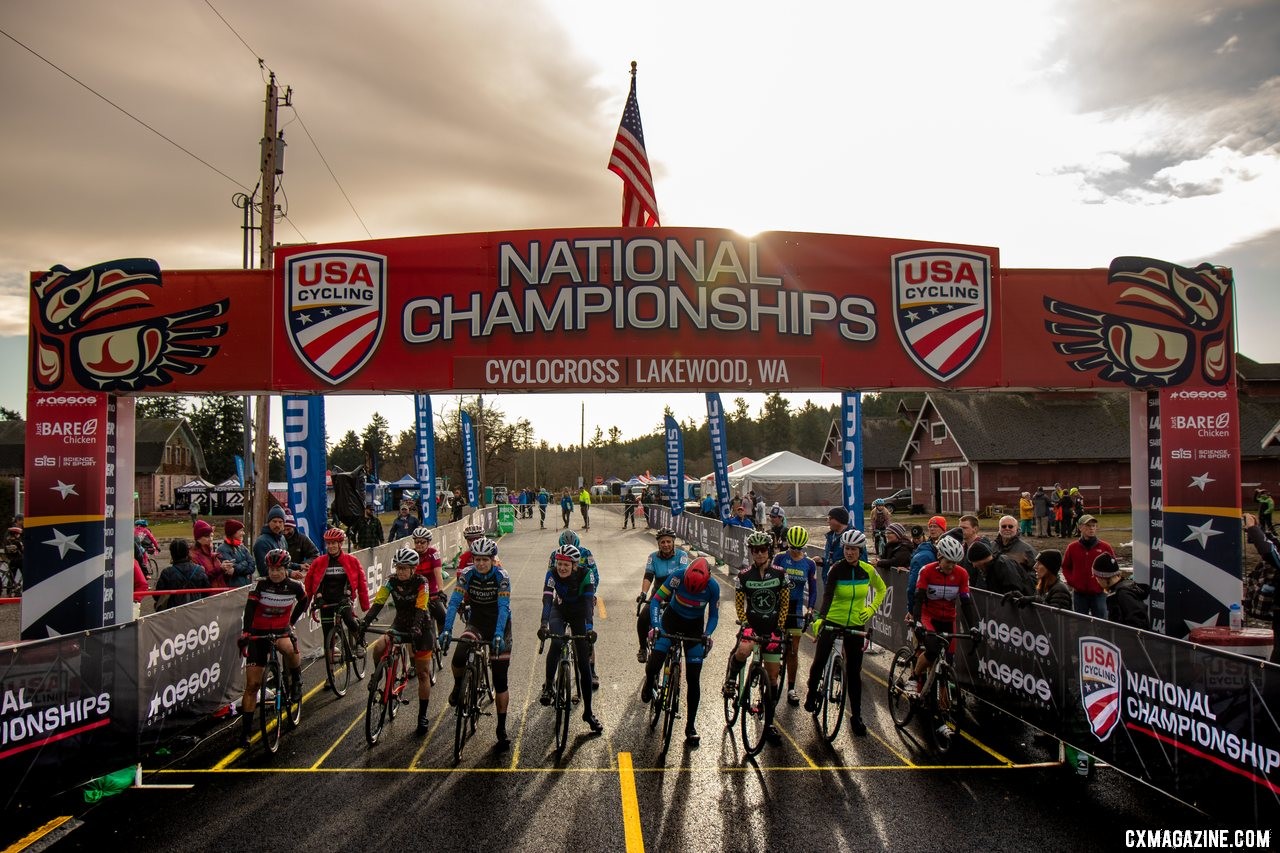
{"x": 630, "y": 162}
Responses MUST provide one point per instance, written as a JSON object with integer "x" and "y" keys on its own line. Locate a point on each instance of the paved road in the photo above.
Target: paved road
{"x": 327, "y": 789}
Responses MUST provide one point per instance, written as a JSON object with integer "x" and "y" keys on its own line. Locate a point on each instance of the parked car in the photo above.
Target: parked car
{"x": 900, "y": 500}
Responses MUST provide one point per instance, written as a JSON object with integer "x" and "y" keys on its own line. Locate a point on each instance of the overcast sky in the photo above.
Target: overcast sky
{"x": 1064, "y": 133}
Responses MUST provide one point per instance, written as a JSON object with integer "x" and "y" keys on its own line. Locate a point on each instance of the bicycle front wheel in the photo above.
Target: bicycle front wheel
{"x": 901, "y": 708}
{"x": 376, "y": 711}
{"x": 356, "y": 656}
{"x": 831, "y": 710}
{"x": 462, "y": 727}
{"x": 671, "y": 692}
{"x": 731, "y": 703}
{"x": 757, "y": 700}
{"x": 395, "y": 673}
{"x": 564, "y": 707}
{"x": 947, "y": 712}
{"x": 336, "y": 666}
{"x": 271, "y": 706}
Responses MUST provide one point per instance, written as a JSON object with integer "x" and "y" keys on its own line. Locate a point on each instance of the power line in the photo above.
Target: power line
{"x": 234, "y": 33}
{"x": 107, "y": 100}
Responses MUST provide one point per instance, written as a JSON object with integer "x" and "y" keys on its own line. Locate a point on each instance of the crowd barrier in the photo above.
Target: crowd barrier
{"x": 1194, "y": 722}
{"x": 80, "y": 706}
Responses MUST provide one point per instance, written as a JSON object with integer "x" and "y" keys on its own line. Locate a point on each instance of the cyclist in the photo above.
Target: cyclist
{"x": 588, "y": 561}
{"x": 762, "y": 597}
{"x": 144, "y": 543}
{"x": 470, "y": 533}
{"x": 486, "y": 587}
{"x": 853, "y": 592}
{"x": 940, "y": 585}
{"x": 407, "y": 591}
{"x": 688, "y": 594}
{"x": 661, "y": 564}
{"x": 777, "y": 528}
{"x": 881, "y": 517}
{"x": 13, "y": 552}
{"x": 802, "y": 571}
{"x": 430, "y": 567}
{"x": 274, "y": 605}
{"x": 568, "y": 598}
{"x": 336, "y": 576}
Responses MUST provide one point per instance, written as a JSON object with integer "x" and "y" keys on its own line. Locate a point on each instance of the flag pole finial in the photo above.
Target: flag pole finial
{"x": 633, "y": 68}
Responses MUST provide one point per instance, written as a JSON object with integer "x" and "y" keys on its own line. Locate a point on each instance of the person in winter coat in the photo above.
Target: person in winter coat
{"x": 271, "y": 538}
{"x": 204, "y": 555}
{"x": 1050, "y": 590}
{"x": 1126, "y": 598}
{"x": 301, "y": 549}
{"x": 234, "y": 556}
{"x": 180, "y": 574}
{"x": 1077, "y": 565}
{"x": 1043, "y": 511}
{"x": 997, "y": 572}
{"x": 897, "y": 548}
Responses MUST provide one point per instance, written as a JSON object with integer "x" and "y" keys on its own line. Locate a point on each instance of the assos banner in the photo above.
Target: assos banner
{"x": 469, "y": 460}
{"x": 675, "y": 464}
{"x": 851, "y": 457}
{"x": 305, "y": 463}
{"x": 719, "y": 454}
{"x": 425, "y": 457}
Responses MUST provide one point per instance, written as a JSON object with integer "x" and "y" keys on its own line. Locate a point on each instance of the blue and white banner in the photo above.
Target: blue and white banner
{"x": 719, "y": 453}
{"x": 426, "y": 458}
{"x": 469, "y": 467}
{"x": 851, "y": 458}
{"x": 240, "y": 469}
{"x": 675, "y": 465}
{"x": 305, "y": 463}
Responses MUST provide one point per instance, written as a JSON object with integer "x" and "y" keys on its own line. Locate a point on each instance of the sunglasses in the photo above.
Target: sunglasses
{"x": 759, "y": 549}
{"x": 1007, "y": 526}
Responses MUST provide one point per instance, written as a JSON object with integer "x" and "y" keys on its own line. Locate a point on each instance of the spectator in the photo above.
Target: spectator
{"x": 1066, "y": 508}
{"x": 740, "y": 517}
{"x": 13, "y": 552}
{"x": 1266, "y": 506}
{"x": 584, "y": 504}
{"x": 897, "y": 548}
{"x": 456, "y": 504}
{"x": 543, "y": 500}
{"x": 1026, "y": 513}
{"x": 1126, "y": 598}
{"x": 1009, "y": 543}
{"x": 709, "y": 505}
{"x": 925, "y": 553}
{"x": 403, "y": 526}
{"x": 1043, "y": 509}
{"x": 762, "y": 510}
{"x": 272, "y": 537}
{"x": 368, "y": 530}
{"x": 777, "y": 528}
{"x": 995, "y": 572}
{"x": 204, "y": 556}
{"x": 970, "y": 531}
{"x": 233, "y": 554}
{"x": 833, "y": 552}
{"x": 301, "y": 549}
{"x": 180, "y": 574}
{"x": 1087, "y": 595}
{"x": 566, "y": 506}
{"x": 629, "y": 510}
{"x": 1077, "y": 509}
{"x": 195, "y": 508}
{"x": 1260, "y": 585}
{"x": 1050, "y": 590}
{"x": 917, "y": 536}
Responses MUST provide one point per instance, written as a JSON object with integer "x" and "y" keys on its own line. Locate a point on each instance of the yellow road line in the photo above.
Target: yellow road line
{"x": 898, "y": 755}
{"x": 34, "y": 836}
{"x": 257, "y": 735}
{"x": 328, "y": 751}
{"x": 982, "y": 746}
{"x": 630, "y": 804}
{"x": 524, "y": 712}
{"x": 821, "y": 768}
{"x": 604, "y": 611}
{"x": 794, "y": 743}
{"x": 439, "y": 719}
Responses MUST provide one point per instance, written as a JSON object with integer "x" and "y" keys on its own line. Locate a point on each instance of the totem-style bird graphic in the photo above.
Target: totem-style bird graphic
{"x": 142, "y": 353}
{"x": 1143, "y": 353}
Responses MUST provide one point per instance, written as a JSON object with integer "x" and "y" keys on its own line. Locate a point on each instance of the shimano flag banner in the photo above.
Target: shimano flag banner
{"x": 469, "y": 461}
{"x": 675, "y": 465}
{"x": 305, "y": 462}
{"x": 851, "y": 457}
{"x": 719, "y": 453}
{"x": 426, "y": 458}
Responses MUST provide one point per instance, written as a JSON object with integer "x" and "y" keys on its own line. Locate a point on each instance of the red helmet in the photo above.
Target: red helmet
{"x": 334, "y": 534}
{"x": 697, "y": 575}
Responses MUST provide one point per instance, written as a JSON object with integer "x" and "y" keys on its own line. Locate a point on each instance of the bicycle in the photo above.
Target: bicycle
{"x": 278, "y": 703}
{"x": 665, "y": 706}
{"x": 940, "y": 699}
{"x": 829, "y": 713}
{"x": 340, "y": 658}
{"x": 567, "y": 688}
{"x": 386, "y": 688}
{"x": 752, "y": 701}
{"x": 10, "y": 580}
{"x": 474, "y": 692}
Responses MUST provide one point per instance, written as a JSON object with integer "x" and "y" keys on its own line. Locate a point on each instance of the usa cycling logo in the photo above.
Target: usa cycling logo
{"x": 335, "y": 303}
{"x": 1100, "y": 665}
{"x": 942, "y": 308}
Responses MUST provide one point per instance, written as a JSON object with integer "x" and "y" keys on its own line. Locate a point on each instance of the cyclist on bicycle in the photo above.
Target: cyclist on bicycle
{"x": 662, "y": 563}
{"x": 688, "y": 594}
{"x": 934, "y": 610}
{"x": 762, "y": 597}
{"x": 853, "y": 592}
{"x": 274, "y": 605}
{"x": 486, "y": 587}
{"x": 337, "y": 577}
{"x": 407, "y": 591}
{"x": 881, "y": 517}
{"x": 803, "y": 574}
{"x": 588, "y": 562}
{"x": 430, "y": 567}
{"x": 568, "y": 598}
{"x": 13, "y": 551}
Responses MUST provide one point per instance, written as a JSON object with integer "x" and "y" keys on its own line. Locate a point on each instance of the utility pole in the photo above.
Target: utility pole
{"x": 272, "y": 166}
{"x": 480, "y": 447}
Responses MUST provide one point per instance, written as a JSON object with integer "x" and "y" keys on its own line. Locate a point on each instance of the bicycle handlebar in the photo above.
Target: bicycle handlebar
{"x": 662, "y": 633}
{"x": 389, "y": 631}
{"x": 845, "y": 629}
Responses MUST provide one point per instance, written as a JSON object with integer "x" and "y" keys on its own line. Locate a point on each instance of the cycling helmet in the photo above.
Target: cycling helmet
{"x": 141, "y": 522}
{"x": 405, "y": 557}
{"x": 568, "y": 552}
{"x": 277, "y": 558}
{"x": 568, "y": 537}
{"x": 334, "y": 534}
{"x": 483, "y": 547}
{"x": 666, "y": 533}
{"x": 853, "y": 538}
{"x": 950, "y": 549}
{"x": 697, "y": 575}
{"x": 758, "y": 539}
{"x": 422, "y": 533}
{"x": 797, "y": 537}
{"x": 878, "y": 502}
{"x": 471, "y": 531}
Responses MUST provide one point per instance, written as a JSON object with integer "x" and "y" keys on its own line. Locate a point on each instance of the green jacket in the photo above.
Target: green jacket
{"x": 851, "y": 593}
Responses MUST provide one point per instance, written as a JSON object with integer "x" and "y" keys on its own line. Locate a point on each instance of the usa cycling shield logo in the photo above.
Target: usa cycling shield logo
{"x": 1100, "y": 665}
{"x": 335, "y": 307}
{"x": 942, "y": 308}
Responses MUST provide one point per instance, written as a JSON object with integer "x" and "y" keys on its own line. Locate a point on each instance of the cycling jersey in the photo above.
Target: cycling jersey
{"x": 409, "y": 597}
{"x": 685, "y": 604}
{"x": 335, "y": 580}
{"x": 657, "y": 569}
{"x": 587, "y": 561}
{"x": 272, "y": 608}
{"x": 803, "y": 574}
{"x": 427, "y": 564}
{"x": 489, "y": 595}
{"x": 940, "y": 593}
{"x": 573, "y": 595}
{"x": 853, "y": 591}
{"x": 762, "y": 599}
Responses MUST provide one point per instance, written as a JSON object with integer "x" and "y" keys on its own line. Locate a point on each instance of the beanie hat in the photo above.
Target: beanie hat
{"x": 938, "y": 521}
{"x": 898, "y": 528}
{"x": 1051, "y": 559}
{"x": 179, "y": 550}
{"x": 979, "y": 551}
{"x": 1106, "y": 566}
{"x": 276, "y": 512}
{"x": 840, "y": 514}
{"x": 231, "y": 527}
{"x": 289, "y": 520}
{"x": 201, "y": 528}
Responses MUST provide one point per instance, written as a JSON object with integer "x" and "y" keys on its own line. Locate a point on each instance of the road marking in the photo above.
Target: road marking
{"x": 982, "y": 746}
{"x": 32, "y": 837}
{"x": 630, "y": 804}
{"x": 257, "y": 735}
{"x": 794, "y": 743}
{"x": 821, "y": 768}
{"x": 524, "y": 712}
{"x": 439, "y": 719}
{"x": 327, "y": 752}
{"x": 898, "y": 755}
